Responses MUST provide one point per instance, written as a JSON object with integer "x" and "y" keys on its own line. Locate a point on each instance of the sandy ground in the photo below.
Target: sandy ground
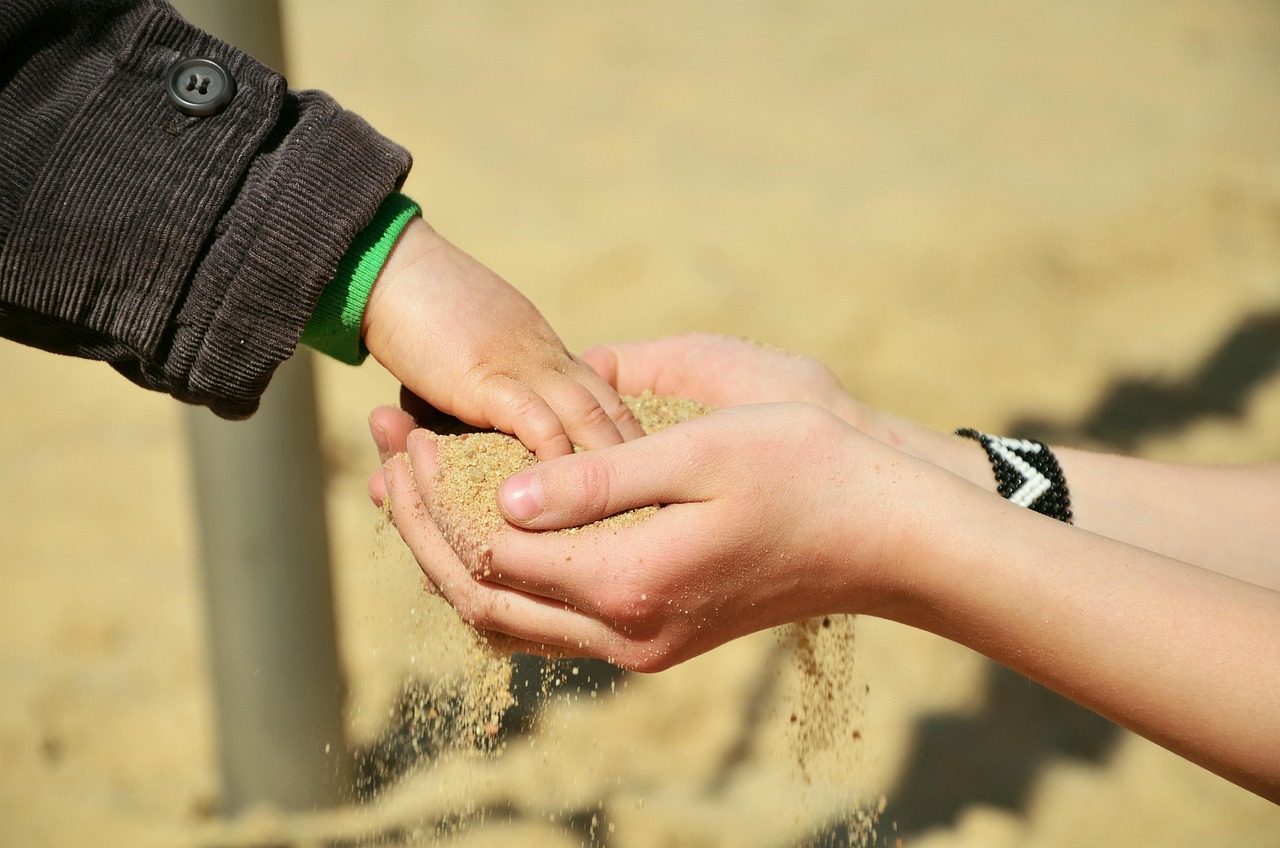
{"x": 1060, "y": 218}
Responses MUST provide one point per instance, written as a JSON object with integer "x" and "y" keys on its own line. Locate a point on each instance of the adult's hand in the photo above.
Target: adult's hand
{"x": 718, "y": 371}
{"x": 741, "y": 545}
{"x": 464, "y": 340}
{"x": 722, "y": 371}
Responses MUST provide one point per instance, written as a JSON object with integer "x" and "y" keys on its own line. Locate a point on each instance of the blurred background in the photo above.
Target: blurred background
{"x": 1059, "y": 220}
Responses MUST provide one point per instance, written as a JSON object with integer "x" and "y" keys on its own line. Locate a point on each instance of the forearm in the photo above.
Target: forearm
{"x": 1182, "y": 655}
{"x": 1221, "y": 518}
{"x": 1218, "y": 517}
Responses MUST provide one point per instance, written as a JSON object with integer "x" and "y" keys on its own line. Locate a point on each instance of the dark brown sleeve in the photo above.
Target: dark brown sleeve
{"x": 188, "y": 252}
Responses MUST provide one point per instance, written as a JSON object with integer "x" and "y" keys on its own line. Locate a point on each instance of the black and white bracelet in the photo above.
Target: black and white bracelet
{"x": 1027, "y": 473}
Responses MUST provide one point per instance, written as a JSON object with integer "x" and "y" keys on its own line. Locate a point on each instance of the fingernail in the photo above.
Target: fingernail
{"x": 380, "y": 438}
{"x": 522, "y": 497}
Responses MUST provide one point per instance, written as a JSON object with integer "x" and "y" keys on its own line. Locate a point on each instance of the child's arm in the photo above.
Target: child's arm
{"x": 461, "y": 338}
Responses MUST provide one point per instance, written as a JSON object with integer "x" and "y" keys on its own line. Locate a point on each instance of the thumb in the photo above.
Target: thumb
{"x": 553, "y": 495}
{"x": 574, "y": 490}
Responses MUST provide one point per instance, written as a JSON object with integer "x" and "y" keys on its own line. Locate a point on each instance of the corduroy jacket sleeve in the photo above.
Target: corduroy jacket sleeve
{"x": 188, "y": 252}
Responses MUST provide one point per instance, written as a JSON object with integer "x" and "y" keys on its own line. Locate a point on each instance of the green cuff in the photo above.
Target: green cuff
{"x": 334, "y": 328}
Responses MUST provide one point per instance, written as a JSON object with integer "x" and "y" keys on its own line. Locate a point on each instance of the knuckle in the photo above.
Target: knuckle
{"x": 536, "y": 418}
{"x": 481, "y": 371}
{"x": 595, "y": 417}
{"x": 612, "y": 608}
{"x": 623, "y": 416}
{"x": 592, "y": 484}
{"x": 510, "y": 394}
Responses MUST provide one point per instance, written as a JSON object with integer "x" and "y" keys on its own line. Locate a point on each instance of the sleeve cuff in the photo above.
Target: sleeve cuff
{"x": 334, "y": 328}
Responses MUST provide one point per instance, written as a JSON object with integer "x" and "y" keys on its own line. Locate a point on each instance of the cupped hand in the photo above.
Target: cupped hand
{"x": 717, "y": 370}
{"x": 772, "y": 513}
{"x": 722, "y": 371}
{"x": 463, "y": 339}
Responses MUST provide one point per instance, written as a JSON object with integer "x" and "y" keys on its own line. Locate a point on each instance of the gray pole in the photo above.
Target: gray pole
{"x": 259, "y": 494}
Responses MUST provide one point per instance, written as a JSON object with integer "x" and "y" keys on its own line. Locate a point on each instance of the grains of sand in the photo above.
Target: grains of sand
{"x": 471, "y": 466}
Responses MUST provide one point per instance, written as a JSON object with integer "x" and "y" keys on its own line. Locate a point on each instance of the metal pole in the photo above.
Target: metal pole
{"x": 259, "y": 487}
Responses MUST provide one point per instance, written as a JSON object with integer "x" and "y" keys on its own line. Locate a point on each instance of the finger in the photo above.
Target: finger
{"x": 573, "y": 490}
{"x": 534, "y": 623}
{"x": 629, "y": 579}
{"x": 390, "y": 428}
{"x": 377, "y": 488}
{"x": 627, "y": 655}
{"x": 485, "y": 605}
{"x": 606, "y": 360}
{"x": 612, "y": 403}
{"x": 513, "y": 407}
{"x": 409, "y": 515}
{"x": 590, "y": 423}
{"x": 715, "y": 370}
{"x": 602, "y": 592}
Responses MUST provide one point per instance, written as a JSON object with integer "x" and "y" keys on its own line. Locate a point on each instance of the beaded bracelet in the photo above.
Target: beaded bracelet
{"x": 1027, "y": 473}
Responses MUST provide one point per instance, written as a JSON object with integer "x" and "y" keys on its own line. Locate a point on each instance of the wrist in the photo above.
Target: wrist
{"x": 385, "y": 308}
{"x": 950, "y": 541}
{"x": 876, "y": 551}
{"x": 945, "y": 450}
{"x": 337, "y": 320}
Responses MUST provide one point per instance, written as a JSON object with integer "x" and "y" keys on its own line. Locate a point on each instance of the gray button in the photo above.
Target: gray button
{"x": 199, "y": 87}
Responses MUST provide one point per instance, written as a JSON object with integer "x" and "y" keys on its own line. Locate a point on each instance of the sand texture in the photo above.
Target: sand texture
{"x": 471, "y": 466}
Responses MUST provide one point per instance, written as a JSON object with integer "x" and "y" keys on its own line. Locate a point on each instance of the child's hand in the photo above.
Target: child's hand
{"x": 461, "y": 338}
